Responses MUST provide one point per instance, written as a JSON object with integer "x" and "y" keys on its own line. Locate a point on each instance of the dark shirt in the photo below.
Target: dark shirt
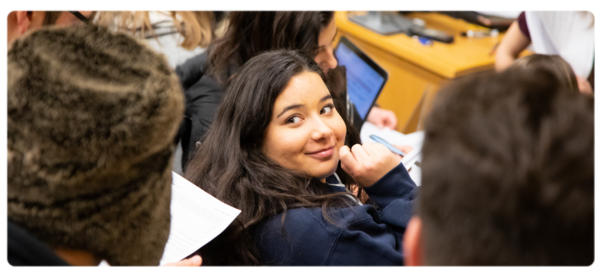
{"x": 202, "y": 96}
{"x": 26, "y": 250}
{"x": 525, "y": 30}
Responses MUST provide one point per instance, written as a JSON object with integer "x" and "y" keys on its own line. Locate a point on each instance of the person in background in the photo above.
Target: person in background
{"x": 249, "y": 33}
{"x": 179, "y": 35}
{"x": 91, "y": 116}
{"x": 274, "y": 151}
{"x": 508, "y": 170}
{"x": 553, "y": 63}
{"x": 19, "y": 22}
{"x": 569, "y": 34}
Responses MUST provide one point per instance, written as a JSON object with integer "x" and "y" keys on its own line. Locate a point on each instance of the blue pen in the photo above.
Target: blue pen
{"x": 424, "y": 41}
{"x": 385, "y": 143}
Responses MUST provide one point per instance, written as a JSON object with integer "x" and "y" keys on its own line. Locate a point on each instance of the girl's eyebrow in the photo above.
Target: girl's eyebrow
{"x": 325, "y": 98}
{"x": 290, "y": 108}
{"x": 295, "y": 106}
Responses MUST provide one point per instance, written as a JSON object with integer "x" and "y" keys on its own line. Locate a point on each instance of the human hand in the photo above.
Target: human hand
{"x": 382, "y": 118}
{"x": 484, "y": 20}
{"x": 584, "y": 85}
{"x": 368, "y": 163}
{"x": 193, "y": 261}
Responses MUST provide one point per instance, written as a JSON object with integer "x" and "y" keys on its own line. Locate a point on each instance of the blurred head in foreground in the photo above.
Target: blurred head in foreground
{"x": 508, "y": 175}
{"x": 553, "y": 63}
{"x": 91, "y": 120}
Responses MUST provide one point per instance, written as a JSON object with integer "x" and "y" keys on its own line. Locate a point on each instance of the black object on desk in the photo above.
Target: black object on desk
{"x": 431, "y": 34}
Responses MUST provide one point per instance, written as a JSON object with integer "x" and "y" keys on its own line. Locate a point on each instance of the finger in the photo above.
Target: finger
{"x": 393, "y": 121}
{"x": 197, "y": 260}
{"x": 404, "y": 148}
{"x": 371, "y": 148}
{"x": 178, "y": 265}
{"x": 349, "y": 162}
{"x": 484, "y": 20}
{"x": 378, "y": 148}
{"x": 193, "y": 261}
{"x": 359, "y": 153}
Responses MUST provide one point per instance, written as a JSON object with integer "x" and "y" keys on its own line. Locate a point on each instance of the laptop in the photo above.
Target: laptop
{"x": 365, "y": 79}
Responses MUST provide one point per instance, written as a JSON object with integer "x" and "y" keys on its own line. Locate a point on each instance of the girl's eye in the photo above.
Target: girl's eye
{"x": 293, "y": 119}
{"x": 327, "y": 109}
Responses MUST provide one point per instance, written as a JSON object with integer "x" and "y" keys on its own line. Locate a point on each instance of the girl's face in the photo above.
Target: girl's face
{"x": 325, "y": 57}
{"x": 305, "y": 132}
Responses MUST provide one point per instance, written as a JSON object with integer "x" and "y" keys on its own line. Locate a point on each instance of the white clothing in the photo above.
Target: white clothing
{"x": 168, "y": 40}
{"x": 568, "y": 34}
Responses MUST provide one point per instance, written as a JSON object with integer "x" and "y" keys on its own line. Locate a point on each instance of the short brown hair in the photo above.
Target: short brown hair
{"x": 508, "y": 173}
{"x": 553, "y": 63}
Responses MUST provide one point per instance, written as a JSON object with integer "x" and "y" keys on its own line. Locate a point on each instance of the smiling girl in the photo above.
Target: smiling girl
{"x": 274, "y": 152}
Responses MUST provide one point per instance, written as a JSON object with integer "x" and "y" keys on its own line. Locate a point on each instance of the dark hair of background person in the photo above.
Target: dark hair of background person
{"x": 508, "y": 165}
{"x": 553, "y": 63}
{"x": 251, "y": 33}
{"x": 231, "y": 166}
{"x": 51, "y": 18}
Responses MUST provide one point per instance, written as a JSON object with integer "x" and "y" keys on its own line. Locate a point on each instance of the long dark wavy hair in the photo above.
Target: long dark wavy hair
{"x": 231, "y": 166}
{"x": 250, "y": 33}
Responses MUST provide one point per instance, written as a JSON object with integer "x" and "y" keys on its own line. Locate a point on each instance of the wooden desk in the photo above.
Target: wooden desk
{"x": 415, "y": 69}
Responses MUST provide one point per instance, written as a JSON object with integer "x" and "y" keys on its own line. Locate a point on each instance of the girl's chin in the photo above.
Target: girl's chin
{"x": 323, "y": 176}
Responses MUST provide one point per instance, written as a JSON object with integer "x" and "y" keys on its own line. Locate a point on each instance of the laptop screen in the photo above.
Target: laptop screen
{"x": 365, "y": 79}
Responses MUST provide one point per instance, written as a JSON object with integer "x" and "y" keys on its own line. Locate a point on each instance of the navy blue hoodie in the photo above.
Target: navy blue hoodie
{"x": 362, "y": 234}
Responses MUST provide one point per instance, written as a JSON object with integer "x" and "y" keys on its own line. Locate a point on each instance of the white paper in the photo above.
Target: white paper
{"x": 196, "y": 219}
{"x": 415, "y": 140}
{"x": 415, "y": 174}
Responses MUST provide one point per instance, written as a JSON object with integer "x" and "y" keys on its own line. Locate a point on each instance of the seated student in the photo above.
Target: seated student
{"x": 179, "y": 35}
{"x": 249, "y": 34}
{"x": 273, "y": 152}
{"x": 19, "y": 22}
{"x": 90, "y": 120}
{"x": 508, "y": 175}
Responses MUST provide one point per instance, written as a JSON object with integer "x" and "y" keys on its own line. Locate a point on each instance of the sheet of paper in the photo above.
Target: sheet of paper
{"x": 415, "y": 140}
{"x": 196, "y": 219}
{"x": 415, "y": 174}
